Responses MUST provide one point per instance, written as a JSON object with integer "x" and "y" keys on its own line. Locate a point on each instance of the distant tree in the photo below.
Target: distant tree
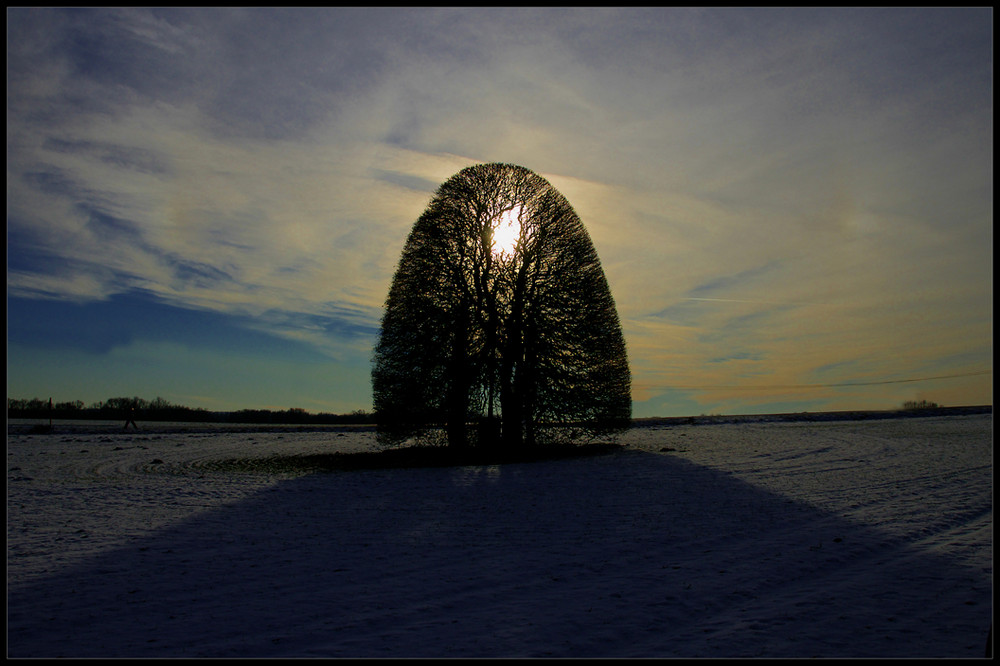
{"x": 159, "y": 404}
{"x": 499, "y": 313}
{"x": 125, "y": 404}
{"x": 919, "y": 404}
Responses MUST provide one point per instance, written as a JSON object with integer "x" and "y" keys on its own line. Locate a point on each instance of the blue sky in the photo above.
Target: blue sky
{"x": 793, "y": 206}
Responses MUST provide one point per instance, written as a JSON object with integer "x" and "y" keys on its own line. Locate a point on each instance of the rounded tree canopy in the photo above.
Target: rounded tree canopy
{"x": 499, "y": 315}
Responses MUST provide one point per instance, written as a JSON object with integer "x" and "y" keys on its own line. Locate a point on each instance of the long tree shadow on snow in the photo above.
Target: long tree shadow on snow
{"x": 631, "y": 554}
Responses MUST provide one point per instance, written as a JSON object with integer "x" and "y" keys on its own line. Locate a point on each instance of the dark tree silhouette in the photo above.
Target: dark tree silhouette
{"x": 499, "y": 314}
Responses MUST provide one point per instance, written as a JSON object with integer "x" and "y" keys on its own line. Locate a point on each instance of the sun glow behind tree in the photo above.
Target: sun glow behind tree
{"x": 507, "y": 232}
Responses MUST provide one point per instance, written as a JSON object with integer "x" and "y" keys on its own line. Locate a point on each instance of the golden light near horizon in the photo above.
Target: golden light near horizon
{"x": 507, "y": 232}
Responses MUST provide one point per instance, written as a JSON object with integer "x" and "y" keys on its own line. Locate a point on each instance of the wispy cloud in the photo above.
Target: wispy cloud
{"x": 773, "y": 193}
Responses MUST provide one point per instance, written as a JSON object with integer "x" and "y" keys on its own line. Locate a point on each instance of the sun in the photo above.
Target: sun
{"x": 507, "y": 232}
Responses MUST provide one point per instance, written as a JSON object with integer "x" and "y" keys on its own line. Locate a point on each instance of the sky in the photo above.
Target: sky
{"x": 793, "y": 207}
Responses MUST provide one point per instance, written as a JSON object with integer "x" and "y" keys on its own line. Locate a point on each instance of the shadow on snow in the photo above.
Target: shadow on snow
{"x": 633, "y": 554}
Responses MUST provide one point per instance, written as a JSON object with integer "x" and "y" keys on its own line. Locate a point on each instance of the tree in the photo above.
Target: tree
{"x": 499, "y": 313}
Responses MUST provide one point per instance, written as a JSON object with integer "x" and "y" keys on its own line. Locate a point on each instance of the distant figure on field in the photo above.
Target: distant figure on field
{"x": 130, "y": 418}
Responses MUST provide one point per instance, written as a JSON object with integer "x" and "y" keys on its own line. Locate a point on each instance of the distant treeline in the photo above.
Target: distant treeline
{"x": 162, "y": 410}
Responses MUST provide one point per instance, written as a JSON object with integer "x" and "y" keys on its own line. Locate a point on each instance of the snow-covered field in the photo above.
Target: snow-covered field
{"x": 843, "y": 539}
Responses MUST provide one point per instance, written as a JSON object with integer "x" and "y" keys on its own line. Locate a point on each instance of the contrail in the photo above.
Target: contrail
{"x": 742, "y": 300}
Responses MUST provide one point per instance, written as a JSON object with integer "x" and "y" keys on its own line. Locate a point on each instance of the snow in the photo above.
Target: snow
{"x": 843, "y": 539}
